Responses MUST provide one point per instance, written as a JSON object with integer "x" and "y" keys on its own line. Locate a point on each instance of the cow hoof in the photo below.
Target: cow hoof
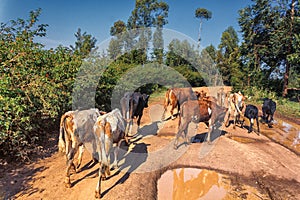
{"x": 209, "y": 142}
{"x": 114, "y": 167}
{"x": 68, "y": 185}
{"x": 97, "y": 195}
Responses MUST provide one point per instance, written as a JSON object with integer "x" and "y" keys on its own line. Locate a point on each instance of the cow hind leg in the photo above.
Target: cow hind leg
{"x": 81, "y": 150}
{"x": 210, "y": 129}
{"x": 251, "y": 125}
{"x": 70, "y": 159}
{"x": 257, "y": 123}
{"x": 227, "y": 121}
{"x": 182, "y": 129}
{"x": 98, "y": 186}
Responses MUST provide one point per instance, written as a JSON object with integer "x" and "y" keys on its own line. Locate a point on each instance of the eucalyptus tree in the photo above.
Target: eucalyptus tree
{"x": 202, "y": 13}
{"x": 147, "y": 14}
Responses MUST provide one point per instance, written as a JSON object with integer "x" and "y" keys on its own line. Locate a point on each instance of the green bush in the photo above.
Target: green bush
{"x": 35, "y": 85}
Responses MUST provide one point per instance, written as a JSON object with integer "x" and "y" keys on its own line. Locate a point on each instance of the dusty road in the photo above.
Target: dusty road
{"x": 268, "y": 163}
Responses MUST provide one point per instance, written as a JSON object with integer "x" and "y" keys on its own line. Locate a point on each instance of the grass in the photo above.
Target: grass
{"x": 255, "y": 95}
{"x": 284, "y": 106}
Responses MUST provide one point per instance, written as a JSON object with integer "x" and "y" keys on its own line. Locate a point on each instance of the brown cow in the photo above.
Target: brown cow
{"x": 199, "y": 111}
{"x": 75, "y": 127}
{"x": 109, "y": 129}
{"x": 175, "y": 97}
{"x": 203, "y": 96}
{"x": 236, "y": 103}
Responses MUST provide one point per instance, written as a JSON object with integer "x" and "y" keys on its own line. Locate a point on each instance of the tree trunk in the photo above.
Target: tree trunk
{"x": 286, "y": 80}
{"x": 287, "y": 69}
{"x": 199, "y": 33}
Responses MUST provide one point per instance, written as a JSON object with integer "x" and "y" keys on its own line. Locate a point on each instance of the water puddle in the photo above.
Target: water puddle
{"x": 201, "y": 184}
{"x": 286, "y": 134}
{"x": 244, "y": 140}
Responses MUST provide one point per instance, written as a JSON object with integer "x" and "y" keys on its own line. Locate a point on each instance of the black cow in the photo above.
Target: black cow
{"x": 133, "y": 104}
{"x": 268, "y": 109}
{"x": 251, "y": 113}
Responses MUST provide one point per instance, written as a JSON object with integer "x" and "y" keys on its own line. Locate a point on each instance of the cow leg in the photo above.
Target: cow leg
{"x": 81, "y": 150}
{"x": 234, "y": 120}
{"x": 251, "y": 124}
{"x": 115, "y": 163}
{"x": 127, "y": 131}
{"x": 165, "y": 110}
{"x": 139, "y": 121}
{"x": 257, "y": 122}
{"x": 70, "y": 158}
{"x": 172, "y": 111}
{"x": 210, "y": 128}
{"x": 98, "y": 186}
{"x": 227, "y": 121}
{"x": 182, "y": 128}
{"x": 242, "y": 123}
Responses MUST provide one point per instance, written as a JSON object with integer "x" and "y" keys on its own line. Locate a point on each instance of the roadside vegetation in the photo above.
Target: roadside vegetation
{"x": 36, "y": 84}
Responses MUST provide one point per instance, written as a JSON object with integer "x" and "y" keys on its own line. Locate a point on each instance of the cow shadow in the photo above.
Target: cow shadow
{"x": 132, "y": 161}
{"x": 147, "y": 130}
{"x": 170, "y": 117}
{"x": 201, "y": 137}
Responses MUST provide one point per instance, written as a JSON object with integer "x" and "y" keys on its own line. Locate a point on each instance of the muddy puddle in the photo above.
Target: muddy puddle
{"x": 284, "y": 133}
{"x": 202, "y": 184}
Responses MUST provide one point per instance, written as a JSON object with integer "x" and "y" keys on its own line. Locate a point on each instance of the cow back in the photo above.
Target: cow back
{"x": 184, "y": 94}
{"x": 251, "y": 111}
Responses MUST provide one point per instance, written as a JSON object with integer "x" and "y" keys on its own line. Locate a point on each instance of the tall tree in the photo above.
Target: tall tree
{"x": 84, "y": 44}
{"x": 269, "y": 30}
{"x": 202, "y": 13}
{"x": 147, "y": 14}
{"x": 226, "y": 55}
{"x": 116, "y": 44}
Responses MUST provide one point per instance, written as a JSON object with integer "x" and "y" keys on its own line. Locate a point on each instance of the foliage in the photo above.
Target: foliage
{"x": 84, "y": 44}
{"x": 284, "y": 106}
{"x": 34, "y": 86}
{"x": 269, "y": 30}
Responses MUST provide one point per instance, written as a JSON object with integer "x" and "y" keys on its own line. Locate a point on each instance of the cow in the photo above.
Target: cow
{"x": 199, "y": 111}
{"x": 251, "y": 112}
{"x": 132, "y": 105}
{"x": 236, "y": 103}
{"x": 76, "y": 127}
{"x": 109, "y": 129}
{"x": 221, "y": 96}
{"x": 203, "y": 95}
{"x": 175, "y": 97}
{"x": 268, "y": 109}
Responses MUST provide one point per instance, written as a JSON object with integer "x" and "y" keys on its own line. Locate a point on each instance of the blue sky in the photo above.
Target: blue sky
{"x": 95, "y": 17}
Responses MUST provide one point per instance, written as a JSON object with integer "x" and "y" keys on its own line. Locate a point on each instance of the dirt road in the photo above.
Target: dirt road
{"x": 262, "y": 162}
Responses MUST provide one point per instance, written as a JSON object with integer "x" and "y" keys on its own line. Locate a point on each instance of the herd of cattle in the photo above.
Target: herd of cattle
{"x": 103, "y": 129}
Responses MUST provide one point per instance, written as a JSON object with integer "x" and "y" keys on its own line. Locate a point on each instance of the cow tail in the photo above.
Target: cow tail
{"x": 167, "y": 97}
{"x": 61, "y": 139}
{"x": 105, "y": 143}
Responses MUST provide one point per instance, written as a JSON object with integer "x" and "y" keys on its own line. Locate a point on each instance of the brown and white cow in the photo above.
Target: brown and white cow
{"x": 108, "y": 129}
{"x": 175, "y": 97}
{"x": 236, "y": 103}
{"x": 199, "y": 111}
{"x": 76, "y": 127}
